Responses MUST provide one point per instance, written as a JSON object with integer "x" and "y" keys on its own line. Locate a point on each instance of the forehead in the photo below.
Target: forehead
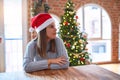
{"x": 52, "y": 24}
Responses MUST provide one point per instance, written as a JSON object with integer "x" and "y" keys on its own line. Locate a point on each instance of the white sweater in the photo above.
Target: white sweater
{"x": 33, "y": 62}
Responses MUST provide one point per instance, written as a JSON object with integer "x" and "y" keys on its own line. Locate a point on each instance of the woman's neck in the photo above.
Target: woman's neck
{"x": 48, "y": 39}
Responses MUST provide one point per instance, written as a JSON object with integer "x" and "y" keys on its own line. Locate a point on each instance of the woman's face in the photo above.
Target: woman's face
{"x": 51, "y": 31}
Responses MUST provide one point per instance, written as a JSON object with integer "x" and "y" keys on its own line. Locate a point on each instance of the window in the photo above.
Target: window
{"x": 13, "y": 35}
{"x": 92, "y": 21}
{"x": 95, "y": 21}
{"x": 99, "y": 48}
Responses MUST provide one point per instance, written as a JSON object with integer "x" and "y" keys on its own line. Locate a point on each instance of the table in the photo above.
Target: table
{"x": 86, "y": 72}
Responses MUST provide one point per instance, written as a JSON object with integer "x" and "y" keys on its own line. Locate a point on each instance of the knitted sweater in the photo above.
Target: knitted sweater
{"x": 33, "y": 62}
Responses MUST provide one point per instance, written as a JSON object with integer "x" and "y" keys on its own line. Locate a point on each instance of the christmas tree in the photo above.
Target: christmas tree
{"x": 74, "y": 40}
{"x": 39, "y": 6}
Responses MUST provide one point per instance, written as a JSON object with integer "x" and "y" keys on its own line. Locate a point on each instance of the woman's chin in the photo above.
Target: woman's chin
{"x": 54, "y": 37}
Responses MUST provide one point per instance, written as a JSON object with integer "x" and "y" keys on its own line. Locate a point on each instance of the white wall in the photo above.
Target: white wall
{"x": 2, "y": 58}
{"x": 25, "y": 23}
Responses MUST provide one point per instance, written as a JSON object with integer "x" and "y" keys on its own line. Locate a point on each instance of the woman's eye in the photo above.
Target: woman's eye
{"x": 52, "y": 26}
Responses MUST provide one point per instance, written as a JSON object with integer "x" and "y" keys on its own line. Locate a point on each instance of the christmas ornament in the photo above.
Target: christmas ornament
{"x": 71, "y": 13}
{"x": 82, "y": 59}
{"x": 76, "y": 55}
{"x": 76, "y": 17}
{"x": 68, "y": 45}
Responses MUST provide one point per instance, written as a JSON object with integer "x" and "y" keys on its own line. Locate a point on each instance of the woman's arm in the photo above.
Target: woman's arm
{"x": 62, "y": 61}
{"x": 29, "y": 64}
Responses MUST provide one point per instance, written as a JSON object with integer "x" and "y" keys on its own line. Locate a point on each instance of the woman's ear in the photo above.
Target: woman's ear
{"x": 33, "y": 34}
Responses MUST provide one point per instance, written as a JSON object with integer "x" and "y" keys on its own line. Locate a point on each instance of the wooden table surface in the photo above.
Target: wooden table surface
{"x": 87, "y": 72}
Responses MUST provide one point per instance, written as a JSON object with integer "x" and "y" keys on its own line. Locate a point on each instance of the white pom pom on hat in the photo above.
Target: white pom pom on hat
{"x": 40, "y": 21}
{"x": 31, "y": 29}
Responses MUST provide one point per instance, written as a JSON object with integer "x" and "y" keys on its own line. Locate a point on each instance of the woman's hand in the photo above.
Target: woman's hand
{"x": 60, "y": 60}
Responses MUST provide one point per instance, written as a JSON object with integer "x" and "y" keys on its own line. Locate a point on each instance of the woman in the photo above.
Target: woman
{"x": 46, "y": 51}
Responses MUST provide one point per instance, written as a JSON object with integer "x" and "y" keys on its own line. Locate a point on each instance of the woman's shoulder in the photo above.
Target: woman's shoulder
{"x": 58, "y": 39}
{"x": 32, "y": 43}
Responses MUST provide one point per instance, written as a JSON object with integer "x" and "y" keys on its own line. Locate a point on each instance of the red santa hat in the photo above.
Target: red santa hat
{"x": 40, "y": 22}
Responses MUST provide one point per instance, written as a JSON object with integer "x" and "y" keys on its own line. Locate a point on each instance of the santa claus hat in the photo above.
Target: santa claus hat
{"x": 40, "y": 22}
